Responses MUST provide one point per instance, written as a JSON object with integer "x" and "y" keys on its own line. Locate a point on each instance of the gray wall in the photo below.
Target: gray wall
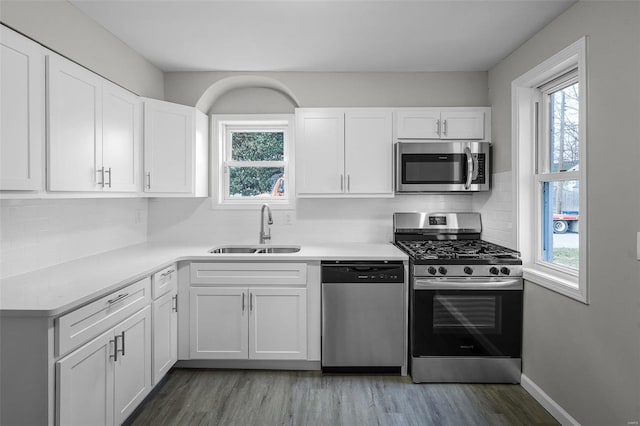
{"x": 61, "y": 27}
{"x": 587, "y": 357}
{"x": 338, "y": 89}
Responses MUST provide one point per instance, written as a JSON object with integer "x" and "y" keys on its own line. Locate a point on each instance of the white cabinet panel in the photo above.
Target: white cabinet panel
{"x": 320, "y": 152}
{"x": 278, "y": 323}
{"x": 121, "y": 135}
{"x": 85, "y": 384}
{"x": 132, "y": 375}
{"x": 423, "y": 123}
{"x": 165, "y": 334}
{"x": 75, "y": 126}
{"x": 218, "y": 322}
{"x": 22, "y": 106}
{"x": 369, "y": 152}
{"x": 169, "y": 143}
{"x": 462, "y": 124}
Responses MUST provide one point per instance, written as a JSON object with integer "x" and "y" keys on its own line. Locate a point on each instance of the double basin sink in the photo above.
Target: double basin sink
{"x": 254, "y": 249}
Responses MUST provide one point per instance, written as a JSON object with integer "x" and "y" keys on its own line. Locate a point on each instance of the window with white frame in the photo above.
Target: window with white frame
{"x": 549, "y": 111}
{"x": 253, "y": 159}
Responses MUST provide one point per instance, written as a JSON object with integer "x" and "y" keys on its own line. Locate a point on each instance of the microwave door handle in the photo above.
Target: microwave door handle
{"x": 470, "y": 168}
{"x": 474, "y": 175}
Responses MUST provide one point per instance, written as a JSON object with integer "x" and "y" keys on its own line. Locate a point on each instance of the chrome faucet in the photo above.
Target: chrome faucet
{"x": 264, "y": 236}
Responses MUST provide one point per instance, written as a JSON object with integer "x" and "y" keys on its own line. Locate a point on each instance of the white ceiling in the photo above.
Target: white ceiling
{"x": 329, "y": 35}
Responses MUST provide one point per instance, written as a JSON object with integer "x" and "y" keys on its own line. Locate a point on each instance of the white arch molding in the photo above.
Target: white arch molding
{"x": 219, "y": 88}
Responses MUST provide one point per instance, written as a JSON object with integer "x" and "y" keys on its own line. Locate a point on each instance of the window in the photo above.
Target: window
{"x": 253, "y": 160}
{"x": 549, "y": 127}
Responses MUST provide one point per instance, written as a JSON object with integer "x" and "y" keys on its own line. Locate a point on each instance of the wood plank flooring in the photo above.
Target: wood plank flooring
{"x": 265, "y": 398}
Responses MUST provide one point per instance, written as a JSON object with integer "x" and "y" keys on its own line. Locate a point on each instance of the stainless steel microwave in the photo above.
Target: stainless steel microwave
{"x": 458, "y": 166}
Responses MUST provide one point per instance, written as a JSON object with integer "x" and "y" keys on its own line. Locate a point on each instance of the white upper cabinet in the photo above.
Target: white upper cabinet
{"x": 175, "y": 149}
{"x": 94, "y": 131}
{"x": 75, "y": 127}
{"x": 22, "y": 107}
{"x": 121, "y": 138}
{"x": 443, "y": 123}
{"x": 344, "y": 152}
{"x": 319, "y": 152}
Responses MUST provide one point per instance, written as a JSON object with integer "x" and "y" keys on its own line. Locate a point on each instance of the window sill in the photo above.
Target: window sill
{"x": 253, "y": 205}
{"x": 554, "y": 282}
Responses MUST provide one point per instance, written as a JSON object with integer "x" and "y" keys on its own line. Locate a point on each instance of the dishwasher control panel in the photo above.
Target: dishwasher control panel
{"x": 361, "y": 271}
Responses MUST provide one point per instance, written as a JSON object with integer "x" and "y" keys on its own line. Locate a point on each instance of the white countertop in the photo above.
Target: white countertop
{"x": 57, "y": 289}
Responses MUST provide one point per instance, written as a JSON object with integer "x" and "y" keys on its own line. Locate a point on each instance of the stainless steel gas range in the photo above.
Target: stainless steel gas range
{"x": 465, "y": 300}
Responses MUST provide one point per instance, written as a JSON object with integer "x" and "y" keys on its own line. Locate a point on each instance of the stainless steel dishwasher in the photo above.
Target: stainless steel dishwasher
{"x": 363, "y": 317}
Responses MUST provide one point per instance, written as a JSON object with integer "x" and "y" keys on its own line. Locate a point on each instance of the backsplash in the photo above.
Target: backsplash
{"x": 313, "y": 221}
{"x": 496, "y": 209}
{"x": 39, "y": 233}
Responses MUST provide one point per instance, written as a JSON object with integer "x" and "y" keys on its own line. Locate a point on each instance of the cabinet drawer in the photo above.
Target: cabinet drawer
{"x": 77, "y": 327}
{"x": 164, "y": 281}
{"x": 249, "y": 273}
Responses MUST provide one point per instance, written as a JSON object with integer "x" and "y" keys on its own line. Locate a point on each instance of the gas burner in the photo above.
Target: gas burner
{"x": 421, "y": 250}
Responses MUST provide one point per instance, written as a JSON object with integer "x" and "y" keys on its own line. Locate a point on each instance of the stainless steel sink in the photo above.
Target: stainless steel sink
{"x": 251, "y": 249}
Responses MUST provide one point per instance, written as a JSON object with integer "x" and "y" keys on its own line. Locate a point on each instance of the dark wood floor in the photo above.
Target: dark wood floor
{"x": 264, "y": 398}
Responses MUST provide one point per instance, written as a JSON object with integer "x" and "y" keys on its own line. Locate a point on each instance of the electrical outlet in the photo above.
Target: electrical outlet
{"x": 288, "y": 218}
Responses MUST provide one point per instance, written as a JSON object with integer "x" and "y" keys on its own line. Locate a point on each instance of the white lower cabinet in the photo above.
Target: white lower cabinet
{"x": 248, "y": 323}
{"x": 102, "y": 382}
{"x": 165, "y": 334}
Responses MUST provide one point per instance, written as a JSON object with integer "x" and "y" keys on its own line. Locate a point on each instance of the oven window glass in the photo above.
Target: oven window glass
{"x": 433, "y": 168}
{"x": 467, "y": 314}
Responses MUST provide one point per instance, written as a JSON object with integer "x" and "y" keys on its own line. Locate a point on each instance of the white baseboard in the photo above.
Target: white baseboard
{"x": 549, "y": 404}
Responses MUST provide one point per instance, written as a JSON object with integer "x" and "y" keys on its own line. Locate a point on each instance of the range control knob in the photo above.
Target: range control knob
{"x": 494, "y": 271}
{"x": 505, "y": 270}
{"x": 468, "y": 270}
{"x": 432, "y": 270}
{"x": 442, "y": 270}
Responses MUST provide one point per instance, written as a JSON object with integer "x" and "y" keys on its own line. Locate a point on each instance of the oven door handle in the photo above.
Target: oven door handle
{"x": 480, "y": 284}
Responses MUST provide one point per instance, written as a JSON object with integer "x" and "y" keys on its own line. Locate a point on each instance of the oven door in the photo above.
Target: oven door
{"x": 465, "y": 322}
{"x": 442, "y": 166}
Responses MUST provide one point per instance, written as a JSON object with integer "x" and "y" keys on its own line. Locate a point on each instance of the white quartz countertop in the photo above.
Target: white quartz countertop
{"x": 58, "y": 289}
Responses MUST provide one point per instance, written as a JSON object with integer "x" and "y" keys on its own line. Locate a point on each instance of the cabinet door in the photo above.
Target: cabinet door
{"x": 121, "y": 132}
{"x": 320, "y": 153}
{"x": 84, "y": 380}
{"x": 218, "y": 322}
{"x": 132, "y": 375}
{"x": 75, "y": 127}
{"x": 168, "y": 147}
{"x": 165, "y": 334}
{"x": 463, "y": 125}
{"x": 21, "y": 112}
{"x": 423, "y": 123}
{"x": 278, "y": 323}
{"x": 369, "y": 152}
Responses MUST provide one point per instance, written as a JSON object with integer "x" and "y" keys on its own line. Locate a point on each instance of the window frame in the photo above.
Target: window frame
{"x": 222, "y": 126}
{"x": 531, "y": 169}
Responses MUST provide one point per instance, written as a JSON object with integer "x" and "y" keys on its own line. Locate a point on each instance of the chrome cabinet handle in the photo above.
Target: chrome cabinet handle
{"x": 467, "y": 153}
{"x": 175, "y": 301}
{"x": 444, "y": 127}
{"x": 119, "y": 297}
{"x": 242, "y": 301}
{"x": 121, "y": 335}
{"x": 341, "y": 183}
{"x": 115, "y": 348}
{"x": 169, "y": 272}
{"x": 438, "y": 127}
{"x": 108, "y": 171}
{"x": 251, "y": 301}
{"x": 101, "y": 172}
{"x": 348, "y": 183}
{"x": 148, "y": 180}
